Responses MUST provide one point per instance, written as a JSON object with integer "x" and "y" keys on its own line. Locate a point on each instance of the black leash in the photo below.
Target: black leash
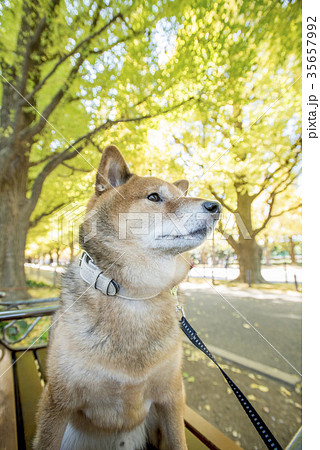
{"x": 256, "y": 420}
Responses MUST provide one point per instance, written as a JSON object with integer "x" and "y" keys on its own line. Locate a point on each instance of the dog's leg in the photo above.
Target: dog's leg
{"x": 52, "y": 422}
{"x": 171, "y": 421}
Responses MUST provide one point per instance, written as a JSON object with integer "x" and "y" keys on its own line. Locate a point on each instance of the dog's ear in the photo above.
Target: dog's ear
{"x": 113, "y": 170}
{"x": 183, "y": 185}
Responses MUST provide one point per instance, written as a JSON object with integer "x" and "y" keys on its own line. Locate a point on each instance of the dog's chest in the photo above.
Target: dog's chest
{"x": 115, "y": 399}
{"x": 132, "y": 341}
{"x": 116, "y": 404}
{"x": 118, "y": 363}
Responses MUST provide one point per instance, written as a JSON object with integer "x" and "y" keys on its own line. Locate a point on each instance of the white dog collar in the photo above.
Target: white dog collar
{"x": 92, "y": 275}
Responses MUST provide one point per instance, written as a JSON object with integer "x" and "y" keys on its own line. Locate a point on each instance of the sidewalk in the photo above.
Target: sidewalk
{"x": 220, "y": 315}
{"x": 257, "y": 325}
{"x": 273, "y": 274}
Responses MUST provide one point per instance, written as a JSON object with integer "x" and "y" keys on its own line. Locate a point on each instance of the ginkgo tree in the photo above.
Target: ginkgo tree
{"x": 70, "y": 71}
{"x": 245, "y": 149}
{"x": 75, "y": 74}
{"x": 287, "y": 230}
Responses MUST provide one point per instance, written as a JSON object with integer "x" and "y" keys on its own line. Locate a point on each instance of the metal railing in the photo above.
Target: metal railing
{"x": 17, "y": 329}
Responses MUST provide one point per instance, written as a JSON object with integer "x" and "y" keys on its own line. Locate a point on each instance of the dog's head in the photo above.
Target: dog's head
{"x": 145, "y": 217}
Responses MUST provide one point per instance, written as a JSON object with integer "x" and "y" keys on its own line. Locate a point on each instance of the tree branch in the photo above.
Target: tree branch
{"x": 36, "y": 163}
{"x": 38, "y": 127}
{"x": 220, "y": 199}
{"x": 286, "y": 183}
{"x": 71, "y": 53}
{"x": 270, "y": 176}
{"x": 230, "y": 239}
{"x": 77, "y": 149}
{"x": 35, "y": 221}
{"x": 267, "y": 219}
{"x": 180, "y": 142}
{"x": 271, "y": 216}
{"x": 293, "y": 208}
{"x": 26, "y": 62}
{"x": 34, "y": 40}
{"x": 75, "y": 169}
{"x": 29, "y": 132}
{"x": 280, "y": 187}
{"x": 97, "y": 146}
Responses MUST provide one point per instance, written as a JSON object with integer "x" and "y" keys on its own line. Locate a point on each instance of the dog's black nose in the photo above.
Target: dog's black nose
{"x": 212, "y": 207}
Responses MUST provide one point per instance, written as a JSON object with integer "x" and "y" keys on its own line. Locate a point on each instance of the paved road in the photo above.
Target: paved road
{"x": 218, "y": 313}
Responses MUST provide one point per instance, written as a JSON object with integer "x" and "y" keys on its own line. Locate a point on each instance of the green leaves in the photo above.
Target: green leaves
{"x": 225, "y": 73}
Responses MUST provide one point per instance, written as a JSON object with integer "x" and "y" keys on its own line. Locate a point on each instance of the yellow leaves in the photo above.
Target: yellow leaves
{"x": 246, "y": 325}
{"x": 285, "y": 392}
{"x": 260, "y": 387}
{"x": 224, "y": 366}
{"x": 251, "y": 397}
{"x": 235, "y": 370}
{"x": 194, "y": 355}
{"x": 188, "y": 378}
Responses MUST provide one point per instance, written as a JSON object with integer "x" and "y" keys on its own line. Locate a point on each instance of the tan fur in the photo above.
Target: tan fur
{"x": 114, "y": 365}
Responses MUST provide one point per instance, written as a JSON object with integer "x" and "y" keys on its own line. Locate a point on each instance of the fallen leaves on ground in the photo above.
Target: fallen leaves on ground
{"x": 285, "y": 392}
{"x": 261, "y": 387}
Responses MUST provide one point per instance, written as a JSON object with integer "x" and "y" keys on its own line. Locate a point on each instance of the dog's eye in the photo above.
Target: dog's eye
{"x": 154, "y": 197}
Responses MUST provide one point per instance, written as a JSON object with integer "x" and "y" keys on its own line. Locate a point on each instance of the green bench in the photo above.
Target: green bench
{"x": 23, "y": 376}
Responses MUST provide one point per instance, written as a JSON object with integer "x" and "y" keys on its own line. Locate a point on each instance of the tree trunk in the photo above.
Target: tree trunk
{"x": 203, "y": 256}
{"x": 249, "y": 255}
{"x": 58, "y": 256}
{"x": 214, "y": 256}
{"x": 71, "y": 244}
{"x": 292, "y": 250}
{"x": 14, "y": 228}
{"x": 267, "y": 251}
{"x": 15, "y": 208}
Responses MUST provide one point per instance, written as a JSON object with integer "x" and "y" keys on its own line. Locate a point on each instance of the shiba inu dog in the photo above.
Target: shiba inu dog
{"x": 115, "y": 353}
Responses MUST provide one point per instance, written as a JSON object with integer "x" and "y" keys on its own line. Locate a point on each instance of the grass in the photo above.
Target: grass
{"x": 44, "y": 292}
{"x": 283, "y": 287}
{"x": 51, "y": 291}
{"x": 40, "y": 289}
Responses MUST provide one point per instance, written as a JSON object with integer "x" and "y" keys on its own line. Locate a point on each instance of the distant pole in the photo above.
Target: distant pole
{"x": 55, "y": 277}
{"x": 249, "y": 277}
{"x": 296, "y": 282}
{"x": 226, "y": 266}
{"x": 285, "y": 272}
{"x": 213, "y": 258}
{"x": 71, "y": 244}
{"x": 213, "y": 252}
